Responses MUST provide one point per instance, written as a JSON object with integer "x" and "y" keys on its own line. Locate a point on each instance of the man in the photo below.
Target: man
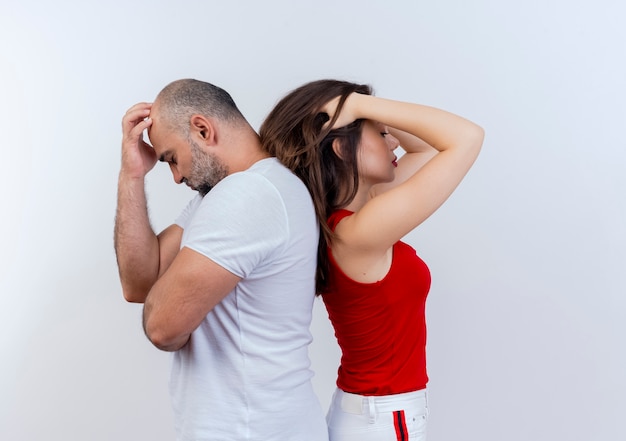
{"x": 229, "y": 287}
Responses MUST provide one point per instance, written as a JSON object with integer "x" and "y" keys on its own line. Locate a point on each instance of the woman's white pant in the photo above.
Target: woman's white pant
{"x": 399, "y": 417}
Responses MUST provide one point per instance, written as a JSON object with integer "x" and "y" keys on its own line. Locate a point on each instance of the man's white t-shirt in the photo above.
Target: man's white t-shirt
{"x": 245, "y": 373}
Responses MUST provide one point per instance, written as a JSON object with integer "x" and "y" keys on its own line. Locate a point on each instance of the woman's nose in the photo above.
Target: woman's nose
{"x": 394, "y": 143}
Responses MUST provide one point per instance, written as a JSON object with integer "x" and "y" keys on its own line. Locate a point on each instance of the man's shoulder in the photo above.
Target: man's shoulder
{"x": 264, "y": 174}
{"x": 261, "y": 185}
{"x": 269, "y": 167}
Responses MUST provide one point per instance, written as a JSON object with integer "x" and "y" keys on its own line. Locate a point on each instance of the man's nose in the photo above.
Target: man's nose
{"x": 178, "y": 178}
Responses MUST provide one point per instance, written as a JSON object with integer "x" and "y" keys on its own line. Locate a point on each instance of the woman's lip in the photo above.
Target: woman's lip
{"x": 395, "y": 162}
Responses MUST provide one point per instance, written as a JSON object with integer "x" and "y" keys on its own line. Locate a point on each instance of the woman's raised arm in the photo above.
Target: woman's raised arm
{"x": 389, "y": 216}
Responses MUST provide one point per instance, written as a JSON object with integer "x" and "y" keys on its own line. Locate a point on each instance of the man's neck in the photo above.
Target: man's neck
{"x": 246, "y": 150}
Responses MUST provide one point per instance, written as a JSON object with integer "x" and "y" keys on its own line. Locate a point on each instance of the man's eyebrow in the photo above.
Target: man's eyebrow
{"x": 164, "y": 155}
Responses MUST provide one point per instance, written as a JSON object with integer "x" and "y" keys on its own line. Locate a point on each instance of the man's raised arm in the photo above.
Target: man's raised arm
{"x": 141, "y": 255}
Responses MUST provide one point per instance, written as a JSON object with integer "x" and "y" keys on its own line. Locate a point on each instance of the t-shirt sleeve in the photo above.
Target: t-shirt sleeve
{"x": 184, "y": 217}
{"x": 240, "y": 224}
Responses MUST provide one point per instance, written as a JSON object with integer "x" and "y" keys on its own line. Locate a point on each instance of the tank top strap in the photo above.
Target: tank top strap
{"x": 337, "y": 216}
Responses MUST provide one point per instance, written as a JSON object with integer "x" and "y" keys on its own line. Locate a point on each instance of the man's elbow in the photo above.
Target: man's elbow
{"x": 132, "y": 294}
{"x": 132, "y": 297}
{"x": 164, "y": 339}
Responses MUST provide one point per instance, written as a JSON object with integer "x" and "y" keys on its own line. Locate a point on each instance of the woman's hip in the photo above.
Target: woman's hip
{"x": 354, "y": 417}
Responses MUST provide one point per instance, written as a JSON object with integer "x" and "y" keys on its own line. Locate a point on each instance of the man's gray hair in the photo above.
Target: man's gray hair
{"x": 181, "y": 99}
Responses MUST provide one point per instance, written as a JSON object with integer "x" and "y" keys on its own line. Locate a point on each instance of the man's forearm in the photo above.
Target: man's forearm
{"x": 136, "y": 244}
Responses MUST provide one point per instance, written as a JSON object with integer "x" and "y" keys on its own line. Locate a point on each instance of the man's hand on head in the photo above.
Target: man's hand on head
{"x": 138, "y": 157}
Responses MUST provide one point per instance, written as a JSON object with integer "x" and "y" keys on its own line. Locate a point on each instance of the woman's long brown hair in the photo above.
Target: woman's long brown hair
{"x": 295, "y": 132}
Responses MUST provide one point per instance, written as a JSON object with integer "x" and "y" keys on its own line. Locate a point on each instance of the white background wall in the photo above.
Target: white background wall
{"x": 526, "y": 314}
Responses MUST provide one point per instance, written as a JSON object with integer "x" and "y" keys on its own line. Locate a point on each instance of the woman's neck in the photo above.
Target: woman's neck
{"x": 360, "y": 199}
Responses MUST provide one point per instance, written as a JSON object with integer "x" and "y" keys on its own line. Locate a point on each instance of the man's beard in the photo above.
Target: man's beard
{"x": 206, "y": 170}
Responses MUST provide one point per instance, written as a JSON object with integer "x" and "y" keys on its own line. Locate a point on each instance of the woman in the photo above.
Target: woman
{"x": 340, "y": 140}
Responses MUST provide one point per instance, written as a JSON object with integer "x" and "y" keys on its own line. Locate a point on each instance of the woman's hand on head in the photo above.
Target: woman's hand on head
{"x": 348, "y": 113}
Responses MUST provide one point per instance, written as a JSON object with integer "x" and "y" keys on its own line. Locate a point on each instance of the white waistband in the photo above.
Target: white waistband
{"x": 363, "y": 404}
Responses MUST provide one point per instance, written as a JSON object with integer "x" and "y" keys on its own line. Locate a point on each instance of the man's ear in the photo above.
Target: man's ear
{"x": 203, "y": 129}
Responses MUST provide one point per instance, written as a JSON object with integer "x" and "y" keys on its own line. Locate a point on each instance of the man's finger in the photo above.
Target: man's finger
{"x": 136, "y": 130}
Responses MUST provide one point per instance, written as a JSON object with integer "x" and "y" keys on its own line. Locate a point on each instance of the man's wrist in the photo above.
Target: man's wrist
{"x": 128, "y": 177}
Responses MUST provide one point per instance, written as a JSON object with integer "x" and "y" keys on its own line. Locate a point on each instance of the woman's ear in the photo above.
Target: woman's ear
{"x": 338, "y": 148}
{"x": 203, "y": 128}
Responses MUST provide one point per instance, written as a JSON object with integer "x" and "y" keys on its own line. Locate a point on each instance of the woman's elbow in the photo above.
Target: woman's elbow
{"x": 475, "y": 138}
{"x": 477, "y": 135}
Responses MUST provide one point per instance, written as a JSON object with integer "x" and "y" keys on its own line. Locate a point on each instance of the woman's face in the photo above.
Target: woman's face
{"x": 376, "y": 159}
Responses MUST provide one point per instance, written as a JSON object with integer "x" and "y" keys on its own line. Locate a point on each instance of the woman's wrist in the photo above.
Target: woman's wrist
{"x": 359, "y": 105}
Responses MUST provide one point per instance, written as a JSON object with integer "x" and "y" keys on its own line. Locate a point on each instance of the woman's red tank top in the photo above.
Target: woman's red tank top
{"x": 381, "y": 326}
